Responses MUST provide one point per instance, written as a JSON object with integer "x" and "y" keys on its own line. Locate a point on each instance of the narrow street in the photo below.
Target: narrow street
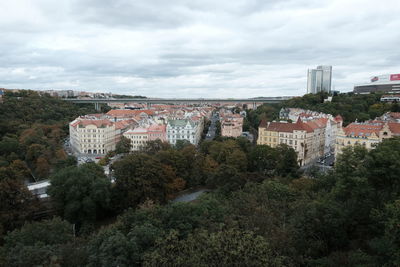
{"x": 213, "y": 127}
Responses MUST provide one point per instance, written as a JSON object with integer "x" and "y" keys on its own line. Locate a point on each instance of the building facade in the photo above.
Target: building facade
{"x": 141, "y": 135}
{"x": 97, "y": 133}
{"x": 389, "y": 83}
{"x": 232, "y": 125}
{"x": 302, "y": 137}
{"x": 319, "y": 80}
{"x": 91, "y": 136}
{"x": 138, "y": 136}
{"x": 367, "y": 134}
{"x": 184, "y": 129}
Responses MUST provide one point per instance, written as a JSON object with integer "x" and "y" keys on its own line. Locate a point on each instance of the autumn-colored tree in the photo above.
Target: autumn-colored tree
{"x": 42, "y": 167}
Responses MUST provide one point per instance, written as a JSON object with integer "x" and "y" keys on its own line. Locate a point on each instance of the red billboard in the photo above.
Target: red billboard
{"x": 395, "y": 77}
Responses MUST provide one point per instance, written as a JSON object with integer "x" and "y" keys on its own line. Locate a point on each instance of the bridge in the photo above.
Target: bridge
{"x": 149, "y": 101}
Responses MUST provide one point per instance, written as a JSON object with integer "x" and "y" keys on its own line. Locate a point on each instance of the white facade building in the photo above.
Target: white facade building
{"x": 185, "y": 129}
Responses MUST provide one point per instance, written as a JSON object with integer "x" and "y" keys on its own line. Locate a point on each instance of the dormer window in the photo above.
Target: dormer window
{"x": 385, "y": 133}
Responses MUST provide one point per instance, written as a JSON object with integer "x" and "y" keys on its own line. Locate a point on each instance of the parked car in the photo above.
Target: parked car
{"x": 98, "y": 157}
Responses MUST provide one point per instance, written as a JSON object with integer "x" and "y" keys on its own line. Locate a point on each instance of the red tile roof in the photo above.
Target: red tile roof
{"x": 128, "y": 112}
{"x": 124, "y": 124}
{"x": 286, "y": 127}
{"x": 97, "y": 123}
{"x": 395, "y": 115}
{"x": 394, "y": 128}
{"x": 363, "y": 129}
{"x": 338, "y": 118}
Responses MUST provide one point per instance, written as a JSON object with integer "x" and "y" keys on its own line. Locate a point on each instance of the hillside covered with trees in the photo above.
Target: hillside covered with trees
{"x": 32, "y": 130}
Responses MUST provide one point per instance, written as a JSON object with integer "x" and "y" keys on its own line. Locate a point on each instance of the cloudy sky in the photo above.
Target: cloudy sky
{"x": 195, "y": 48}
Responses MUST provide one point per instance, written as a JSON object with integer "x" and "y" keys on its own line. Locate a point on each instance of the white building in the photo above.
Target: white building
{"x": 185, "y": 129}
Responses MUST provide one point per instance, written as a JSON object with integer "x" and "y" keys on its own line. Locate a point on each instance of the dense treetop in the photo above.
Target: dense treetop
{"x": 32, "y": 129}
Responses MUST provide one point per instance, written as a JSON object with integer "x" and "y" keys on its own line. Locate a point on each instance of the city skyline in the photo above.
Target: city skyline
{"x": 196, "y": 49}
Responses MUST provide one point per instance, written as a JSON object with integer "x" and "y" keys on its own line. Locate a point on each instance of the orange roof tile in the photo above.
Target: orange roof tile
{"x": 86, "y": 122}
{"x": 287, "y": 127}
{"x": 394, "y": 128}
{"x": 363, "y": 129}
{"x": 128, "y": 112}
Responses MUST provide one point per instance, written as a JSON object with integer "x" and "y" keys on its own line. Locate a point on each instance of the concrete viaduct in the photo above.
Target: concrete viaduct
{"x": 149, "y": 101}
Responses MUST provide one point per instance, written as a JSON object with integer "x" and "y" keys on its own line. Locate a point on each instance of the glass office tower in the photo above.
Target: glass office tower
{"x": 319, "y": 79}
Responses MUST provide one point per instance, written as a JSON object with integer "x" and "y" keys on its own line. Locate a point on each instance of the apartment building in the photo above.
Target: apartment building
{"x": 90, "y": 136}
{"x": 96, "y": 134}
{"x": 141, "y": 135}
{"x": 329, "y": 123}
{"x": 304, "y": 137}
{"x": 157, "y": 131}
{"x": 367, "y": 134}
{"x": 232, "y": 125}
{"x": 184, "y": 129}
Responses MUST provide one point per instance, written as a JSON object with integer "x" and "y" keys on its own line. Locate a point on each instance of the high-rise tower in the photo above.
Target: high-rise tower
{"x": 319, "y": 80}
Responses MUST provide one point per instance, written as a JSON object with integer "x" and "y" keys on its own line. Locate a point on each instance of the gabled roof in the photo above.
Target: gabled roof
{"x": 157, "y": 128}
{"x": 287, "y": 127}
{"x": 363, "y": 129}
{"x": 124, "y": 124}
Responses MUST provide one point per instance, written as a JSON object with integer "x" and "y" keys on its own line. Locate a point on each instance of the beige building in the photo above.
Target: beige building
{"x": 232, "y": 125}
{"x": 138, "y": 136}
{"x": 88, "y": 136}
{"x": 366, "y": 134}
{"x": 305, "y": 138}
{"x": 96, "y": 134}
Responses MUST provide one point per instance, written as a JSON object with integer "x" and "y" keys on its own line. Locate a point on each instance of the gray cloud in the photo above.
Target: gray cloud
{"x": 242, "y": 48}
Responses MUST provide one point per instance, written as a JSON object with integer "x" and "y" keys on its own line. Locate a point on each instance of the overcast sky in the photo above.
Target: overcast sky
{"x": 195, "y": 48}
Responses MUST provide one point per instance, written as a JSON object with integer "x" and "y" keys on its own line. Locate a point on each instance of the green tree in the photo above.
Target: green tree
{"x": 286, "y": 161}
{"x": 37, "y": 243}
{"x": 82, "y": 193}
{"x": 225, "y": 248}
{"x": 263, "y": 159}
{"x": 152, "y": 147}
{"x": 139, "y": 177}
{"x": 124, "y": 145}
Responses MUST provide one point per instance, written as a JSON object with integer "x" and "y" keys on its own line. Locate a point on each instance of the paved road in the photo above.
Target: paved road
{"x": 213, "y": 127}
{"x": 323, "y": 166}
